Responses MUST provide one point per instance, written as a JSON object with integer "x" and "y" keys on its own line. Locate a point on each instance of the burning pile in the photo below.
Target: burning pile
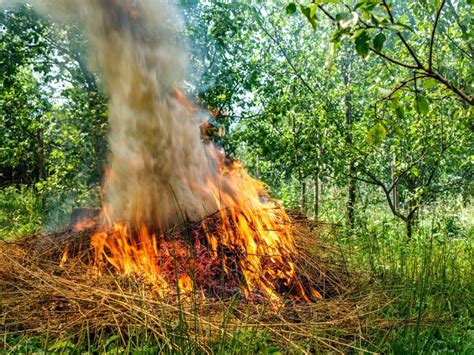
{"x": 161, "y": 174}
{"x": 247, "y": 244}
{"x": 46, "y": 290}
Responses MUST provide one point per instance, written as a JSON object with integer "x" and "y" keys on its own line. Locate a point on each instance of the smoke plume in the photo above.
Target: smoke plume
{"x": 158, "y": 166}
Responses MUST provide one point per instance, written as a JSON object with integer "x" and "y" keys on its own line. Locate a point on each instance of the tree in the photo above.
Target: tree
{"x": 53, "y": 114}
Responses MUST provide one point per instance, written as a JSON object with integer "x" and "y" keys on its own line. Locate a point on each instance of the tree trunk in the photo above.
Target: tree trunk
{"x": 411, "y": 223}
{"x": 395, "y": 192}
{"x": 409, "y": 227}
{"x": 40, "y": 155}
{"x": 41, "y": 163}
{"x": 351, "y": 195}
{"x": 351, "y": 198}
{"x": 316, "y": 187}
{"x": 411, "y": 218}
{"x": 303, "y": 196}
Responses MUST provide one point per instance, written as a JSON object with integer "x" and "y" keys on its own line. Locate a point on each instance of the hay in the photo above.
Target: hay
{"x": 39, "y": 296}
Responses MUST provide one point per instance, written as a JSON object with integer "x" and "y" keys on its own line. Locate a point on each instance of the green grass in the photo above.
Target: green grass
{"x": 21, "y": 212}
{"x": 138, "y": 341}
{"x": 429, "y": 278}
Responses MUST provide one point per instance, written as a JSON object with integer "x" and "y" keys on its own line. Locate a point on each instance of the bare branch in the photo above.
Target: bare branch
{"x": 405, "y": 43}
{"x": 326, "y": 13}
{"x": 401, "y": 85}
{"x": 394, "y": 61}
{"x": 433, "y": 32}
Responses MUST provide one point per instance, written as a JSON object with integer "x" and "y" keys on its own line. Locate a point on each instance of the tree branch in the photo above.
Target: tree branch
{"x": 326, "y": 13}
{"x": 394, "y": 61}
{"x": 422, "y": 156}
{"x": 405, "y": 43}
{"x": 468, "y": 98}
{"x": 387, "y": 194}
{"x": 401, "y": 85}
{"x": 433, "y": 32}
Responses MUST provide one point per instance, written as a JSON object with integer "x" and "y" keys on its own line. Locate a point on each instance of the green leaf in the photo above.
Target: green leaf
{"x": 398, "y": 108}
{"x": 291, "y": 8}
{"x": 409, "y": 28}
{"x": 397, "y": 27}
{"x": 398, "y": 131}
{"x": 362, "y": 45}
{"x": 400, "y": 112}
{"x": 376, "y": 134}
{"x": 423, "y": 106}
{"x": 331, "y": 55}
{"x": 309, "y": 12}
{"x": 62, "y": 345}
{"x": 430, "y": 83}
{"x": 357, "y": 34}
{"x": 336, "y": 36}
{"x": 379, "y": 41}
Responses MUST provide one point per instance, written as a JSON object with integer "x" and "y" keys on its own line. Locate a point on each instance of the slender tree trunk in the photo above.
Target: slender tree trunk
{"x": 303, "y": 196}
{"x": 409, "y": 228}
{"x": 395, "y": 192}
{"x": 351, "y": 198}
{"x": 411, "y": 220}
{"x": 351, "y": 195}
{"x": 317, "y": 188}
{"x": 41, "y": 162}
{"x": 40, "y": 155}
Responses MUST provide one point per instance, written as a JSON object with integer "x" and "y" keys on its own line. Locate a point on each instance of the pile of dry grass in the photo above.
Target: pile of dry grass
{"x": 39, "y": 296}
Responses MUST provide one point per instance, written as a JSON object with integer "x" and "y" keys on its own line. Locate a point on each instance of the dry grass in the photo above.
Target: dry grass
{"x": 39, "y": 296}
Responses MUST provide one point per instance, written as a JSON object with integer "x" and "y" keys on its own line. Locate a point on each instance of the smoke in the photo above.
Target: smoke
{"x": 158, "y": 166}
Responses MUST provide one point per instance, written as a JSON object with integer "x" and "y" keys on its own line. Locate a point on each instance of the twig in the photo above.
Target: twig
{"x": 433, "y": 32}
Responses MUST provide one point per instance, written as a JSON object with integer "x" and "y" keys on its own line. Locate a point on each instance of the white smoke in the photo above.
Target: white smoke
{"x": 158, "y": 165}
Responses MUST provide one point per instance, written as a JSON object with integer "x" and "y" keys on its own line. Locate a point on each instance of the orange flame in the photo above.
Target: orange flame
{"x": 252, "y": 242}
{"x": 64, "y": 257}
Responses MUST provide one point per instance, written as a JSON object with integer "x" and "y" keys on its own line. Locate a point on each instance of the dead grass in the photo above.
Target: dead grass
{"x": 39, "y": 296}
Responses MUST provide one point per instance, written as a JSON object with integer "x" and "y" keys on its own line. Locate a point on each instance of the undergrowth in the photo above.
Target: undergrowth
{"x": 428, "y": 278}
{"x": 21, "y": 212}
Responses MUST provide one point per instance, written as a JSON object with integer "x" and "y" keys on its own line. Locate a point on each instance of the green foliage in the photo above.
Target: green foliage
{"x": 291, "y": 8}
{"x": 53, "y": 116}
{"x": 21, "y": 212}
{"x": 376, "y": 134}
{"x": 370, "y": 23}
